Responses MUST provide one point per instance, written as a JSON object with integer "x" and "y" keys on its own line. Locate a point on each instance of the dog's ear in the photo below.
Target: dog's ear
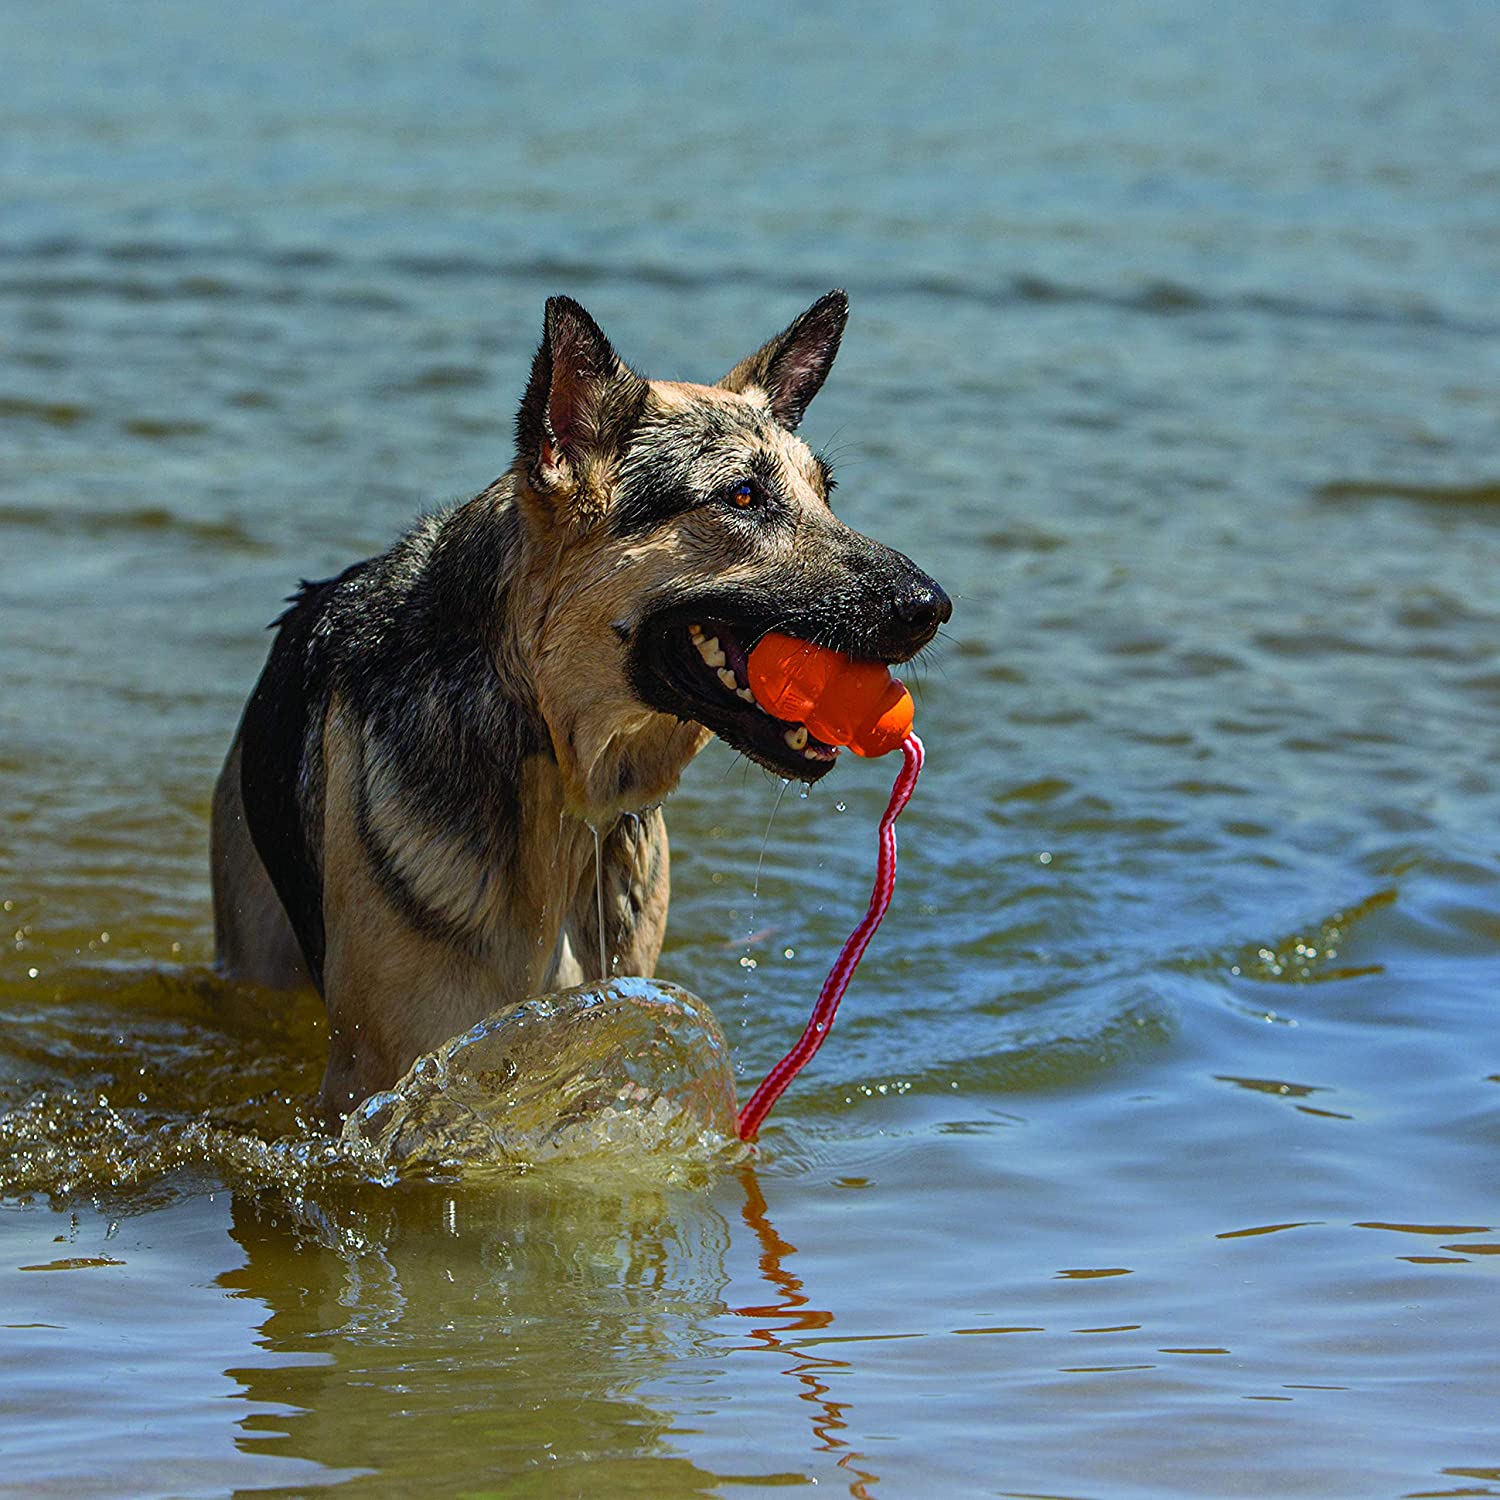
{"x": 578, "y": 389}
{"x": 791, "y": 368}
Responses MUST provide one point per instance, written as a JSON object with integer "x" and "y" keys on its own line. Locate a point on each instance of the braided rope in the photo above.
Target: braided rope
{"x": 763, "y": 1100}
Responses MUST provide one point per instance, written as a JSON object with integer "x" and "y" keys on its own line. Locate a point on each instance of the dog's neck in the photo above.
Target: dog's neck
{"x": 559, "y": 642}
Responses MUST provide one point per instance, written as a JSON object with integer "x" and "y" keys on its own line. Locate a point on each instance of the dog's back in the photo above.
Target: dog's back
{"x": 266, "y": 845}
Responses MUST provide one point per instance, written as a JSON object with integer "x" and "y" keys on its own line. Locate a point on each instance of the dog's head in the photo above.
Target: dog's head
{"x": 669, "y": 527}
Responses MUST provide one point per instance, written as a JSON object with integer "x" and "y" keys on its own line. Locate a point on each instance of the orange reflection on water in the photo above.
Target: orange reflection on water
{"x": 807, "y": 1369}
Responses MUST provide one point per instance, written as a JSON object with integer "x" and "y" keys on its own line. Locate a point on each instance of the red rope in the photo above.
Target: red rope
{"x": 763, "y": 1100}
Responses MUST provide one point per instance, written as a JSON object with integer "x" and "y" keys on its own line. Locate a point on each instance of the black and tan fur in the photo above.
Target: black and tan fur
{"x": 406, "y": 815}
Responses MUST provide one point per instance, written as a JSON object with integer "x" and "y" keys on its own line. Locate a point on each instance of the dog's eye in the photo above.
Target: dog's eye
{"x": 742, "y": 496}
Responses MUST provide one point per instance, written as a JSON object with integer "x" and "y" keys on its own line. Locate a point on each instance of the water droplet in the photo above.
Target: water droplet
{"x": 604, "y": 970}
{"x": 1044, "y": 858}
{"x": 802, "y": 793}
{"x": 789, "y": 953}
{"x": 839, "y": 807}
{"x": 748, "y": 963}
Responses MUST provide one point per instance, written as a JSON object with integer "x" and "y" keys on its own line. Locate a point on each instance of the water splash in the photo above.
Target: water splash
{"x": 174, "y": 1081}
{"x": 629, "y": 1068}
{"x": 66, "y": 1144}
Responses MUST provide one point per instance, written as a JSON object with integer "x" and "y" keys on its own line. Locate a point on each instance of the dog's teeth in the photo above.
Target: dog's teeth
{"x": 746, "y": 694}
{"x": 709, "y": 651}
{"x": 811, "y": 755}
{"x": 797, "y": 738}
{"x": 728, "y": 679}
{"x": 696, "y": 632}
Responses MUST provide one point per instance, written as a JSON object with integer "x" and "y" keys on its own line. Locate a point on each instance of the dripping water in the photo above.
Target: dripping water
{"x": 599, "y": 902}
{"x": 765, "y": 840}
{"x": 748, "y": 961}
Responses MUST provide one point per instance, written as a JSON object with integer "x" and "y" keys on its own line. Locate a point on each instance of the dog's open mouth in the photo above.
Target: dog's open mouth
{"x": 698, "y": 668}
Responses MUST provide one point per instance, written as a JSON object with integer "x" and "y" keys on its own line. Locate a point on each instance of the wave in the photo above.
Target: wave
{"x": 1150, "y": 297}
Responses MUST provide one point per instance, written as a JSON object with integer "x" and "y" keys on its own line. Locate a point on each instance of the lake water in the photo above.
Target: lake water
{"x": 1155, "y": 1153}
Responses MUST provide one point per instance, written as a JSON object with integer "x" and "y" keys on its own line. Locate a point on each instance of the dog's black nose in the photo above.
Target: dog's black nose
{"x": 921, "y": 608}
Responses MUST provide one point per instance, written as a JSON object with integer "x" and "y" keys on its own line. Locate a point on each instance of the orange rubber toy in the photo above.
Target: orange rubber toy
{"x": 841, "y": 700}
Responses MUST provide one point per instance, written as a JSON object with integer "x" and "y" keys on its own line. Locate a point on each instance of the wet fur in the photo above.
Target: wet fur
{"x": 406, "y": 814}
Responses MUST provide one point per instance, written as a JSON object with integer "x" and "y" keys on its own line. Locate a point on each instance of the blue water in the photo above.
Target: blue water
{"x": 1154, "y": 1154}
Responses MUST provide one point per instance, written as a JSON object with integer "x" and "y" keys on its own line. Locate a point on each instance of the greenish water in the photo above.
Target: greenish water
{"x": 1155, "y": 1151}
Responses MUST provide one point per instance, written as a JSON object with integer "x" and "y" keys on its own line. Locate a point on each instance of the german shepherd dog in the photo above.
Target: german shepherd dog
{"x": 407, "y": 814}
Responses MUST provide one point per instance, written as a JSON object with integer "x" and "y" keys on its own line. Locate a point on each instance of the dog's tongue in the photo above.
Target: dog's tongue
{"x": 841, "y": 700}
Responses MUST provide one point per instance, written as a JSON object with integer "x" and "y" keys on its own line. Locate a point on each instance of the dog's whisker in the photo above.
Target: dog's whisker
{"x": 766, "y": 838}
